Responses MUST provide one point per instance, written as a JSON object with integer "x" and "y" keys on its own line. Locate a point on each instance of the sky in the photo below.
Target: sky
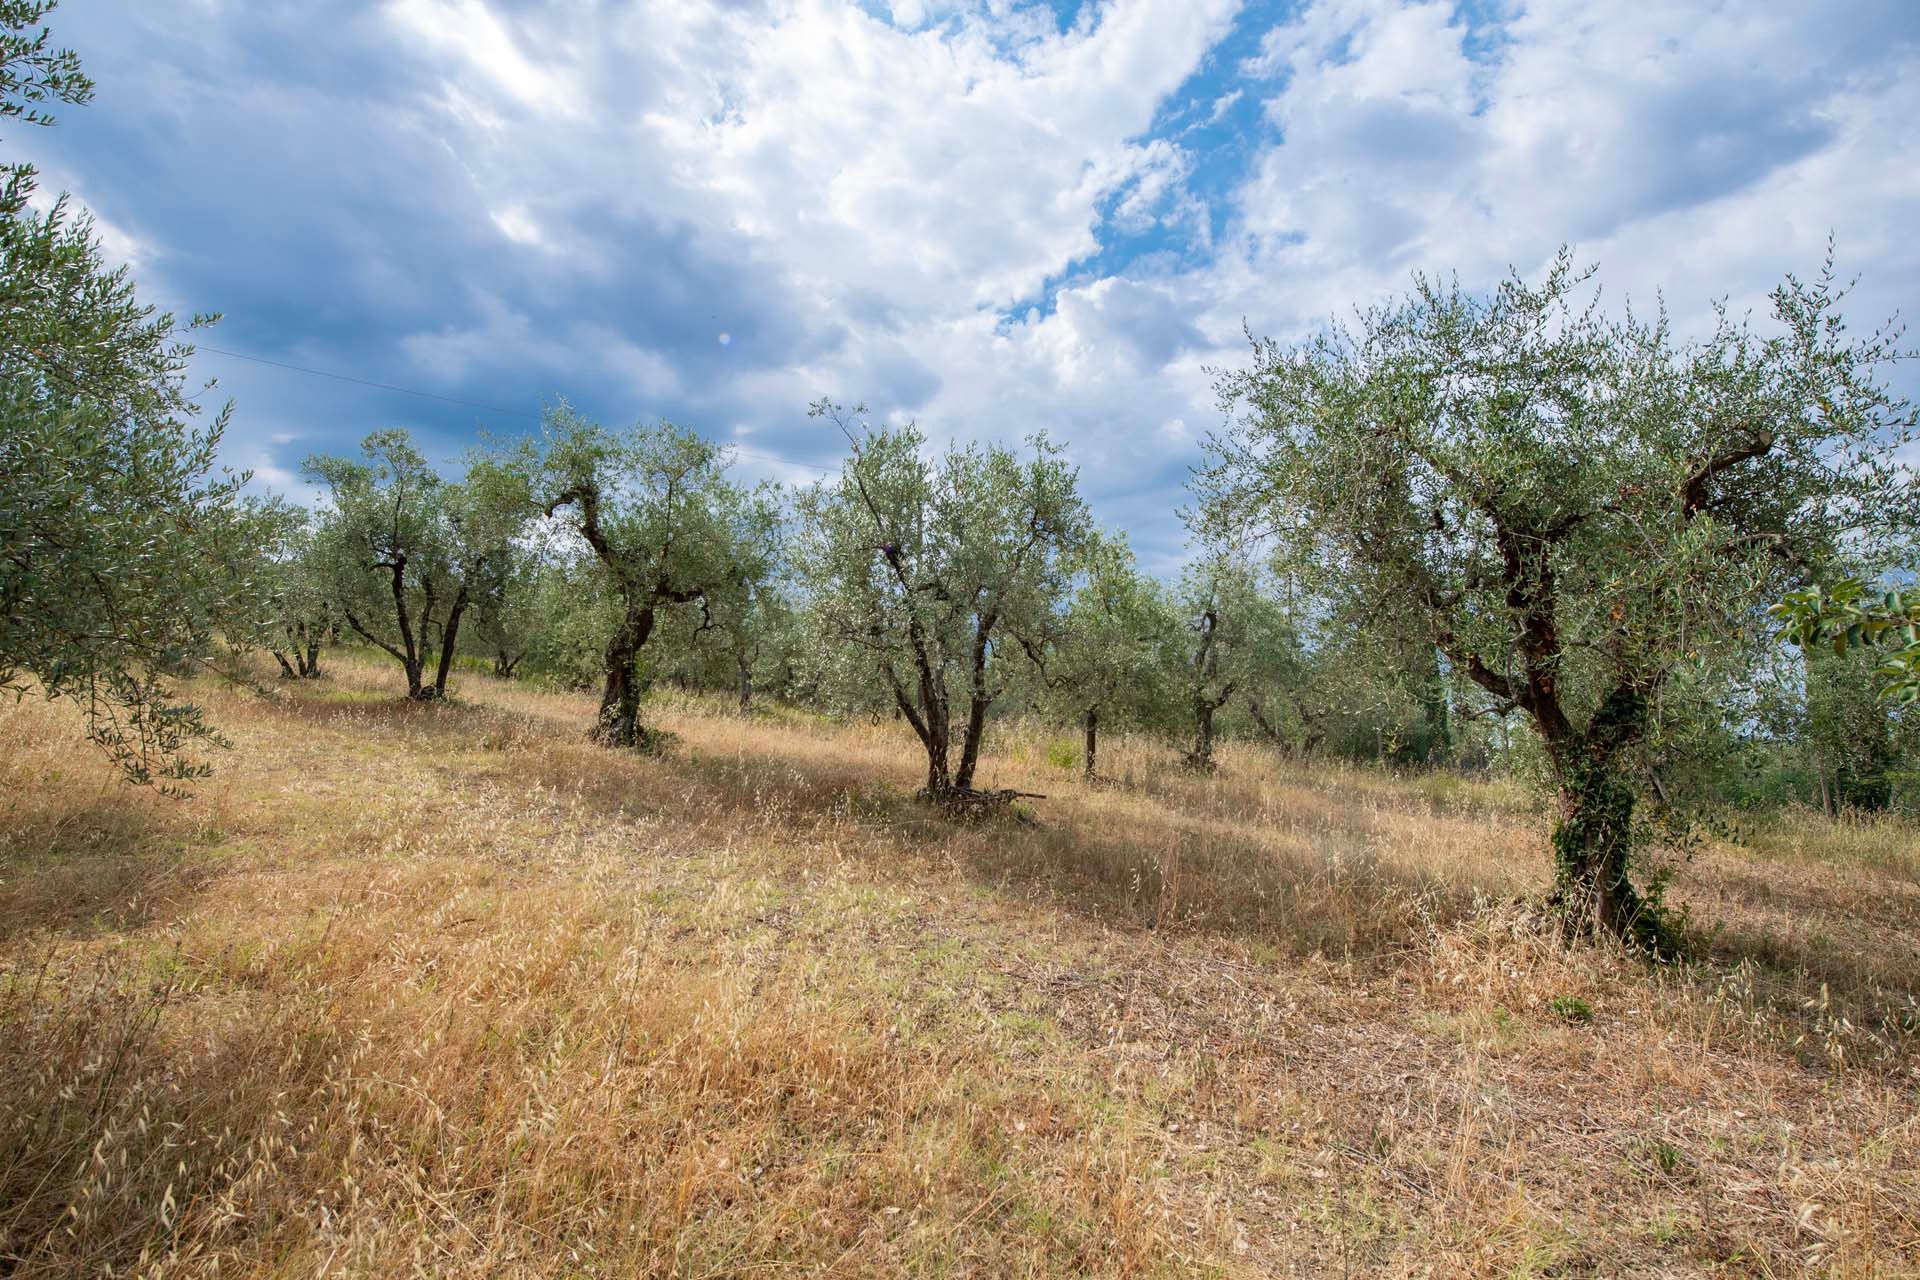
{"x": 986, "y": 216}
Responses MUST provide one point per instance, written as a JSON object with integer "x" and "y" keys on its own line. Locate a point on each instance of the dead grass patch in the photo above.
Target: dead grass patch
{"x": 448, "y": 991}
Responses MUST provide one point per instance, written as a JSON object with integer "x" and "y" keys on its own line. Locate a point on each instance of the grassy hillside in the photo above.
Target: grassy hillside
{"x": 447, "y": 991}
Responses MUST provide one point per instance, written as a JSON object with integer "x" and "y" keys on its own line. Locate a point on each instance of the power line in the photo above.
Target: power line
{"x": 470, "y": 404}
{"x": 764, "y": 456}
{"x": 363, "y": 382}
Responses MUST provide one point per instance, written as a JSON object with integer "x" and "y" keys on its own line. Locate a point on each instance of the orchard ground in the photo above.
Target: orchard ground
{"x": 446, "y": 990}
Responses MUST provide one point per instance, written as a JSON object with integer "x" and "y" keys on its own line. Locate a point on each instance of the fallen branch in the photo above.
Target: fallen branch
{"x": 969, "y": 802}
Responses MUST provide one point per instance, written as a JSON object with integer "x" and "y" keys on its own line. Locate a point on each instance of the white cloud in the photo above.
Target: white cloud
{"x": 858, "y": 195}
{"x": 517, "y": 225}
{"x": 931, "y": 168}
{"x": 1692, "y": 149}
{"x": 120, "y": 246}
{"x": 473, "y": 35}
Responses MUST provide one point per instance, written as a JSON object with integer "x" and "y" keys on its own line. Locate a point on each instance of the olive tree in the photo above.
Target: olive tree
{"x": 654, "y": 507}
{"x": 404, "y": 550}
{"x": 1107, "y": 660}
{"x": 929, "y": 573}
{"x": 742, "y": 639}
{"x": 1239, "y": 641}
{"x": 1334, "y": 683}
{"x": 533, "y": 586}
{"x": 1577, "y": 508}
{"x": 761, "y": 639}
{"x": 576, "y": 612}
{"x": 1846, "y": 701}
{"x": 289, "y": 613}
{"x": 304, "y": 615}
{"x": 506, "y": 607}
{"x": 1313, "y": 690}
{"x": 109, "y": 489}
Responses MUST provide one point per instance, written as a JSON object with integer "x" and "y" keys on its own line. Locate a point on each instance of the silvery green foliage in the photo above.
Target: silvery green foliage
{"x": 1577, "y": 508}
{"x": 929, "y": 574}
{"x": 402, "y": 551}
{"x": 744, "y": 639}
{"x": 1569, "y": 502}
{"x": 1238, "y": 644}
{"x": 654, "y": 509}
{"x": 508, "y": 609}
{"x": 575, "y": 612}
{"x": 269, "y": 548}
{"x": 1113, "y": 655}
{"x": 385, "y": 546}
{"x": 109, "y": 494}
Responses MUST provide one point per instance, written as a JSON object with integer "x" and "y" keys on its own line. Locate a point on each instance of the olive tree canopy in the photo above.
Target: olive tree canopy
{"x": 403, "y": 551}
{"x": 1575, "y": 507}
{"x": 1110, "y": 659}
{"x": 665, "y": 527}
{"x": 930, "y": 573}
{"x": 108, "y": 486}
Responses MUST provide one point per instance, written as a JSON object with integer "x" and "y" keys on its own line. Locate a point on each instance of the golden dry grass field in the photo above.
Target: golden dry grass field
{"x": 446, "y": 991}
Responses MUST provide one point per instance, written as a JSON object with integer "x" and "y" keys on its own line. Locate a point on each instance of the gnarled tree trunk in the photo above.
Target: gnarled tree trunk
{"x": 618, "y": 724}
{"x": 412, "y": 655}
{"x": 1593, "y": 836}
{"x": 1206, "y": 667}
{"x": 1093, "y": 742}
{"x": 939, "y": 777}
{"x": 1200, "y": 758}
{"x": 931, "y": 724}
{"x": 303, "y": 643}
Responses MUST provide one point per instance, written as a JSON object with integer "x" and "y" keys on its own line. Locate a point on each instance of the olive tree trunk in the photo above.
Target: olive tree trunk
{"x": 979, "y": 698}
{"x": 1593, "y": 834}
{"x": 1200, "y": 759}
{"x": 449, "y": 639}
{"x": 1206, "y": 668}
{"x": 618, "y": 724}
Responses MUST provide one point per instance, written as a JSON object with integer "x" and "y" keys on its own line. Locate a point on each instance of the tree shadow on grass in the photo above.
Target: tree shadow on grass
{"x": 1812, "y": 954}
{"x": 449, "y": 714}
{"x": 1321, "y": 891}
{"x": 446, "y": 723}
{"x": 1306, "y": 893}
{"x": 1157, "y": 867}
{"x": 106, "y": 862}
{"x": 1152, "y": 865}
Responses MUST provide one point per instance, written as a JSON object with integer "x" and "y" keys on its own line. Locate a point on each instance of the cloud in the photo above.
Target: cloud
{"x": 474, "y": 36}
{"x": 993, "y": 216}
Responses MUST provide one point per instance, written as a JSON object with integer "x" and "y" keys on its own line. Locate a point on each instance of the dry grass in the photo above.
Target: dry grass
{"x": 447, "y": 991}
